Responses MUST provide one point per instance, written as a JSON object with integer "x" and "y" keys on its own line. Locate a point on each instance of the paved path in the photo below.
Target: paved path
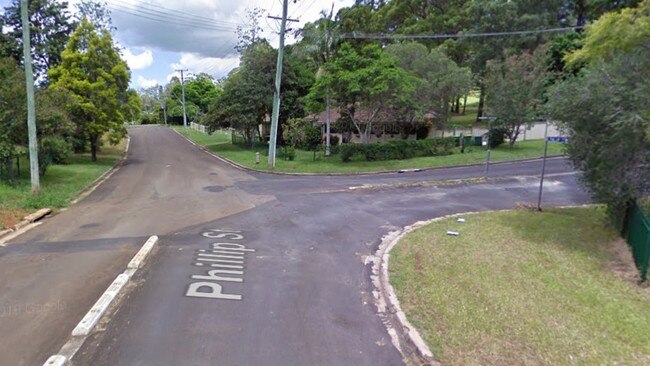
{"x": 302, "y": 295}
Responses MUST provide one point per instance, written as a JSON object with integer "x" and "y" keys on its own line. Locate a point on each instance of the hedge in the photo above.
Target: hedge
{"x": 398, "y": 149}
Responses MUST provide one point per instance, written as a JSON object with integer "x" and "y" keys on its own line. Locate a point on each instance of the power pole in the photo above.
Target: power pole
{"x": 278, "y": 80}
{"x": 162, "y": 104}
{"x": 31, "y": 108}
{"x": 183, "y": 90}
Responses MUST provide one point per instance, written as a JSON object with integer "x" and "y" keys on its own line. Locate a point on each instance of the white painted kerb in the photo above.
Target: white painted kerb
{"x": 137, "y": 260}
{"x": 92, "y": 317}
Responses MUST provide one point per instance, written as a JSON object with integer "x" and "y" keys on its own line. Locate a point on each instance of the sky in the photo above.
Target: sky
{"x": 160, "y": 36}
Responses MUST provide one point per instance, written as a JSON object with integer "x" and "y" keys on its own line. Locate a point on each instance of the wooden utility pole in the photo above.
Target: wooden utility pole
{"x": 31, "y": 107}
{"x": 278, "y": 80}
{"x": 183, "y": 91}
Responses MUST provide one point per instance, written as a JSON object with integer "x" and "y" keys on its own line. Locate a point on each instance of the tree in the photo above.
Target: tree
{"x": 251, "y": 33}
{"x": 605, "y": 111}
{"x": 97, "y": 13}
{"x": 439, "y": 80}
{"x": 92, "y": 70}
{"x": 13, "y": 129}
{"x": 50, "y": 29}
{"x": 632, "y": 27}
{"x": 54, "y": 127}
{"x": 367, "y": 80}
{"x": 247, "y": 93}
{"x": 319, "y": 40}
{"x": 515, "y": 90}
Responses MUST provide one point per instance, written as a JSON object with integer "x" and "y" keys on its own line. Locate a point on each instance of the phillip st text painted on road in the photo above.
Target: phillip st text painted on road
{"x": 223, "y": 263}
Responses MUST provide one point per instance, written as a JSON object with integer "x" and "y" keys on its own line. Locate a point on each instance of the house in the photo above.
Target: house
{"x": 384, "y": 127}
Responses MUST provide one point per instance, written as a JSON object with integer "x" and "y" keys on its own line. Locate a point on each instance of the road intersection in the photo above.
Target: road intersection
{"x": 251, "y": 268}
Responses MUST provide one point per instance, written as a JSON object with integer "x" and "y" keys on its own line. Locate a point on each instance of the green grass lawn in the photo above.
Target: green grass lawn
{"x": 202, "y": 138}
{"x": 304, "y": 161}
{"x": 522, "y": 287}
{"x": 60, "y": 184}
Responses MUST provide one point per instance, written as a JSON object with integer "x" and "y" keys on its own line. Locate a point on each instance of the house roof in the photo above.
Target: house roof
{"x": 360, "y": 114}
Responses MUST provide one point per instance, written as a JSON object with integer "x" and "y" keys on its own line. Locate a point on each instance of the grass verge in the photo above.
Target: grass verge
{"x": 522, "y": 287}
{"x": 304, "y": 162}
{"x": 60, "y": 184}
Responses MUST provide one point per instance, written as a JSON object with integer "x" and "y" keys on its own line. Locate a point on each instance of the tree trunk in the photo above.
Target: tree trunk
{"x": 93, "y": 147}
{"x": 464, "y": 103}
{"x": 457, "y": 109}
{"x": 9, "y": 164}
{"x": 327, "y": 127}
{"x": 481, "y": 104}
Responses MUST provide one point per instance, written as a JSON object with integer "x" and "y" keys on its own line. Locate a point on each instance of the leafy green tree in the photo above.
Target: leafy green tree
{"x": 367, "y": 80}
{"x": 50, "y": 28}
{"x": 605, "y": 110}
{"x": 439, "y": 80}
{"x": 515, "y": 90}
{"x": 319, "y": 41}
{"x": 54, "y": 127}
{"x": 246, "y": 98}
{"x": 12, "y": 111}
{"x": 201, "y": 91}
{"x": 92, "y": 70}
{"x": 247, "y": 93}
{"x": 613, "y": 33}
{"x": 606, "y": 115}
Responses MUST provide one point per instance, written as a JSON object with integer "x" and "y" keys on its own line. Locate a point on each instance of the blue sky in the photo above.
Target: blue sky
{"x": 159, "y": 36}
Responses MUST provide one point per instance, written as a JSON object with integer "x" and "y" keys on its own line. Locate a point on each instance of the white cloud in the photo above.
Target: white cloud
{"x": 204, "y": 27}
{"x": 215, "y": 66}
{"x": 138, "y": 61}
{"x": 146, "y": 83}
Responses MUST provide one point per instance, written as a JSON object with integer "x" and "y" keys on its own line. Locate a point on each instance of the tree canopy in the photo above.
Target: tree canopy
{"x": 92, "y": 70}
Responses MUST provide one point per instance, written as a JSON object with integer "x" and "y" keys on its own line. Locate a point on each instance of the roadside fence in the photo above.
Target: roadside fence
{"x": 637, "y": 234}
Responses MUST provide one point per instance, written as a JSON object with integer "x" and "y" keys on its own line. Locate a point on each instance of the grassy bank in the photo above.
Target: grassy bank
{"x": 60, "y": 184}
{"x": 305, "y": 163}
{"x": 521, "y": 287}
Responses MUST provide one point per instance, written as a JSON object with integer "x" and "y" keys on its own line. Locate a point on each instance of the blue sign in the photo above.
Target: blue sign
{"x": 561, "y": 139}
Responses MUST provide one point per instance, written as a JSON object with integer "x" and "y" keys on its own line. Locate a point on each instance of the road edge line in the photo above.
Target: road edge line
{"x": 98, "y": 310}
{"x": 399, "y": 171}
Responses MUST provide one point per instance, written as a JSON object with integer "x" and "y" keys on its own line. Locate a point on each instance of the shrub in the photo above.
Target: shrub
{"x": 497, "y": 136}
{"x": 398, "y": 149}
{"x": 288, "y": 153}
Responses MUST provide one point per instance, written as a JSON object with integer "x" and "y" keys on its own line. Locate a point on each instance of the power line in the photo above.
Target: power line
{"x": 169, "y": 21}
{"x": 170, "y": 18}
{"x": 177, "y": 13}
{"x": 303, "y": 11}
{"x": 355, "y": 35}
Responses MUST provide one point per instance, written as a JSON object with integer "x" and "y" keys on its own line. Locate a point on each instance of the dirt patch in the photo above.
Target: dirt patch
{"x": 10, "y": 218}
{"x": 622, "y": 264}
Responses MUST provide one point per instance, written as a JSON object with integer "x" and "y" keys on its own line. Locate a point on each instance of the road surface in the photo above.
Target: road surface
{"x": 251, "y": 268}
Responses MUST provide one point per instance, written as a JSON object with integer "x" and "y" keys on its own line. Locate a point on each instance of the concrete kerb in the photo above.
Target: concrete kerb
{"x": 29, "y": 220}
{"x": 26, "y": 224}
{"x": 400, "y": 171}
{"x": 386, "y": 301}
{"x": 97, "y": 311}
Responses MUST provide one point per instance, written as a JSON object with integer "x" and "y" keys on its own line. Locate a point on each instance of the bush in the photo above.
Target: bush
{"x": 53, "y": 150}
{"x": 302, "y": 134}
{"x": 288, "y": 153}
{"x": 497, "y": 136}
{"x": 149, "y": 119}
{"x": 398, "y": 149}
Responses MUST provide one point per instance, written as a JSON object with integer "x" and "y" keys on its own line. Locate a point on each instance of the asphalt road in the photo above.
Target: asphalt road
{"x": 251, "y": 268}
